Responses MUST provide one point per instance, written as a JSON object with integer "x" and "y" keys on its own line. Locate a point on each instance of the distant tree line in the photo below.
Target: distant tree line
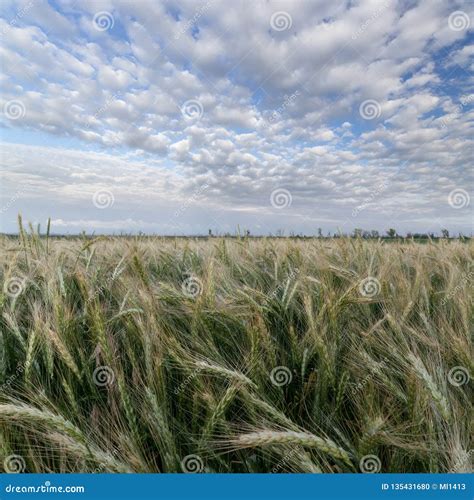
{"x": 390, "y": 233}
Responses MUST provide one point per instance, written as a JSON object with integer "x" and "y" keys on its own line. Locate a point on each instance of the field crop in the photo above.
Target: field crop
{"x": 235, "y": 355}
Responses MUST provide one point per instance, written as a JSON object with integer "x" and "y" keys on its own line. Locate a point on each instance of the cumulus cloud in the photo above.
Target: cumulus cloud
{"x": 167, "y": 97}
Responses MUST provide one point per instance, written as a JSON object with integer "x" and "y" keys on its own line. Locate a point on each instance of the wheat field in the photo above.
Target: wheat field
{"x": 146, "y": 354}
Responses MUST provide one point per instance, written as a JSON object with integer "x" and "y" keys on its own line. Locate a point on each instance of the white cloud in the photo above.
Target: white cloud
{"x": 277, "y": 109}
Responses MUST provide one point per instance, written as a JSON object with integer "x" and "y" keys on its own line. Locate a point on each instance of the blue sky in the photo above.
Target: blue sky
{"x": 174, "y": 117}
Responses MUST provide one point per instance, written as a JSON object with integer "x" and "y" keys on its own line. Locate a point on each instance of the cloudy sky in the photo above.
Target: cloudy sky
{"x": 173, "y": 117}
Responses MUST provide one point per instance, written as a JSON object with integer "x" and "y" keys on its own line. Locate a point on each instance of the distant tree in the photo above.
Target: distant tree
{"x": 320, "y": 232}
{"x": 357, "y": 233}
{"x": 247, "y": 233}
{"x": 210, "y": 233}
{"x": 374, "y": 234}
{"x": 445, "y": 233}
{"x": 391, "y": 233}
